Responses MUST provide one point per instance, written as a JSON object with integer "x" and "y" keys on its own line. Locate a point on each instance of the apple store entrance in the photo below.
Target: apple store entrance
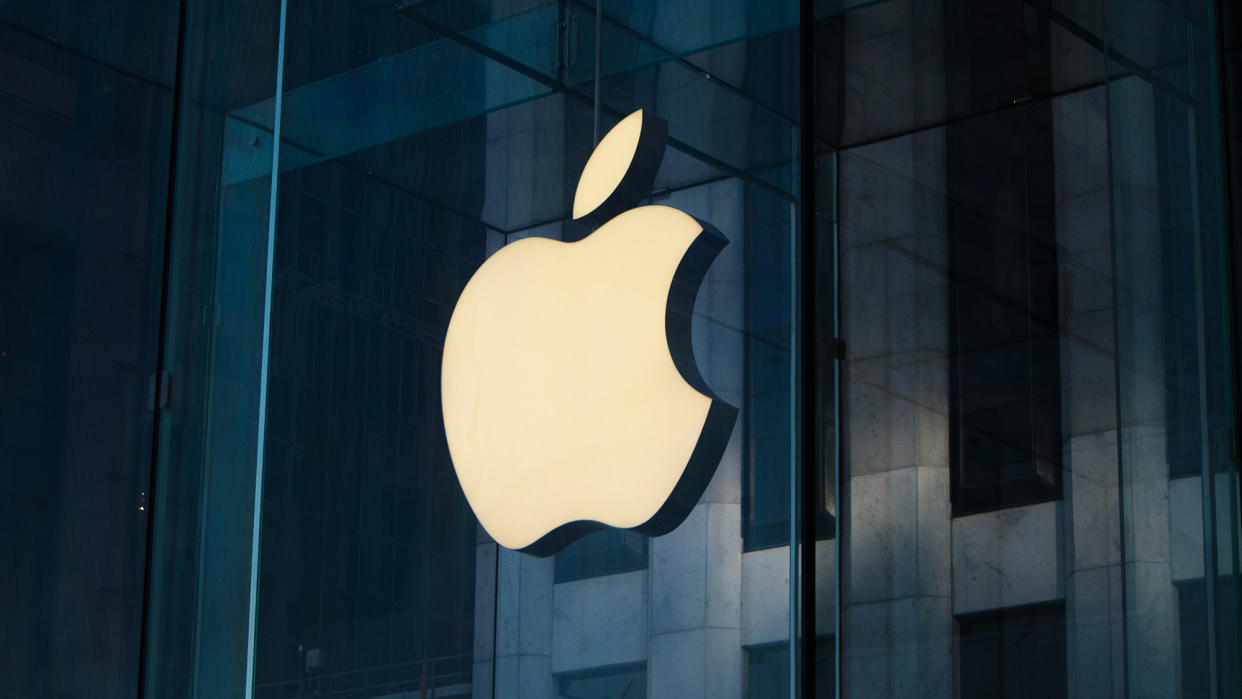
{"x": 917, "y": 380}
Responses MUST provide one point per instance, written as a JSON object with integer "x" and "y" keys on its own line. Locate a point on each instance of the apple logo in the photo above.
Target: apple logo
{"x": 570, "y": 393}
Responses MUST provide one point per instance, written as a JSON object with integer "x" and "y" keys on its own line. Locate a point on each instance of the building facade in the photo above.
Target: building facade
{"x": 978, "y": 312}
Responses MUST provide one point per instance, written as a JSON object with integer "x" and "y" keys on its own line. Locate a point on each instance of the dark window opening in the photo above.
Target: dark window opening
{"x": 1192, "y": 629}
{"x": 1005, "y": 440}
{"x": 1014, "y": 653}
{"x": 605, "y": 552}
{"x": 619, "y": 682}
{"x": 767, "y": 670}
{"x": 766, "y": 417}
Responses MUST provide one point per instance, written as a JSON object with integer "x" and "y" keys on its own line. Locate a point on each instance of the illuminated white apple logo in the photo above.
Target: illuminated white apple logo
{"x": 570, "y": 394}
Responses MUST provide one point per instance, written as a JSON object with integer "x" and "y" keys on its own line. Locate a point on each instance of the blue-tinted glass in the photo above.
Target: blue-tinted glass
{"x": 85, "y": 133}
{"x": 1035, "y": 312}
{"x": 199, "y": 606}
{"x": 368, "y": 543}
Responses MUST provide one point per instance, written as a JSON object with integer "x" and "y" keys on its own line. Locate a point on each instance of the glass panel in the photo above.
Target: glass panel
{"x": 1039, "y": 477}
{"x": 731, "y": 75}
{"x": 199, "y": 616}
{"x": 767, "y": 670}
{"x": 739, "y": 135}
{"x": 1022, "y": 372}
{"x": 85, "y": 133}
{"x": 898, "y": 66}
{"x": 1176, "y": 379}
{"x": 684, "y": 27}
{"x": 634, "y": 34}
{"x": 404, "y": 94}
{"x": 406, "y": 168}
{"x": 367, "y": 575}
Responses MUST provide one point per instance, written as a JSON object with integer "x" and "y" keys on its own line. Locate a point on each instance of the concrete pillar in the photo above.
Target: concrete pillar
{"x": 1092, "y": 526}
{"x": 1153, "y": 645}
{"x": 695, "y": 647}
{"x": 512, "y": 624}
{"x": 896, "y": 553}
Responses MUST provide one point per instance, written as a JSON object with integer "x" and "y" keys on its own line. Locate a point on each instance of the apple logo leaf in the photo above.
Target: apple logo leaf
{"x": 570, "y": 393}
{"x": 621, "y": 169}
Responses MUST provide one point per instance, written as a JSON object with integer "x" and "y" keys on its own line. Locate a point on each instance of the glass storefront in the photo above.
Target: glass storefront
{"x": 977, "y": 311}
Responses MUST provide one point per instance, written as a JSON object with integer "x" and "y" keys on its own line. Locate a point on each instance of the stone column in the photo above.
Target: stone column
{"x": 1092, "y": 526}
{"x": 513, "y": 624}
{"x": 897, "y": 618}
{"x": 1152, "y": 645}
{"x": 695, "y": 646}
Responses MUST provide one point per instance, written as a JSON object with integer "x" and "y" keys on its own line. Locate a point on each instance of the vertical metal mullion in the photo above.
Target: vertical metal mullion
{"x": 837, "y": 489}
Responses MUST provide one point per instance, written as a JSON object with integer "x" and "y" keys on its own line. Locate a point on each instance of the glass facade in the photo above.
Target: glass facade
{"x": 978, "y": 312}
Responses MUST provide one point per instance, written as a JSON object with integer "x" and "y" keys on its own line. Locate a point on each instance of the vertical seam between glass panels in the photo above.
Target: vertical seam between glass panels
{"x": 839, "y": 357}
{"x": 803, "y": 374}
{"x": 1115, "y": 260}
{"x": 265, "y": 357}
{"x": 154, "y": 508}
{"x": 795, "y": 460}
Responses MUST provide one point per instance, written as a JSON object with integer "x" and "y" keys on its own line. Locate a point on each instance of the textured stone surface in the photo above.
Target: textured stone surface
{"x": 1186, "y": 522}
{"x": 600, "y": 621}
{"x": 885, "y": 536}
{"x": 484, "y": 601}
{"x": 672, "y": 656}
{"x": 724, "y": 567}
{"x": 765, "y": 596}
{"x": 1007, "y": 558}
{"x": 765, "y": 593}
{"x": 679, "y": 576}
{"x": 1094, "y": 640}
{"x": 897, "y": 620}
{"x": 696, "y": 599}
{"x": 898, "y": 648}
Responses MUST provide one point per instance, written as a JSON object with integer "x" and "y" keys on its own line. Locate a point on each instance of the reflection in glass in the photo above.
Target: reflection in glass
{"x": 85, "y": 135}
{"x": 767, "y": 670}
{"x": 1022, "y": 215}
{"x": 624, "y": 682}
{"x": 1004, "y": 380}
{"x": 604, "y": 552}
{"x": 1037, "y": 329}
{"x": 1017, "y": 652}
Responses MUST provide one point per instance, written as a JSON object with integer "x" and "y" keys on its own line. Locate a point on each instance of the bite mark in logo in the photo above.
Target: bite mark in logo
{"x": 570, "y": 393}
